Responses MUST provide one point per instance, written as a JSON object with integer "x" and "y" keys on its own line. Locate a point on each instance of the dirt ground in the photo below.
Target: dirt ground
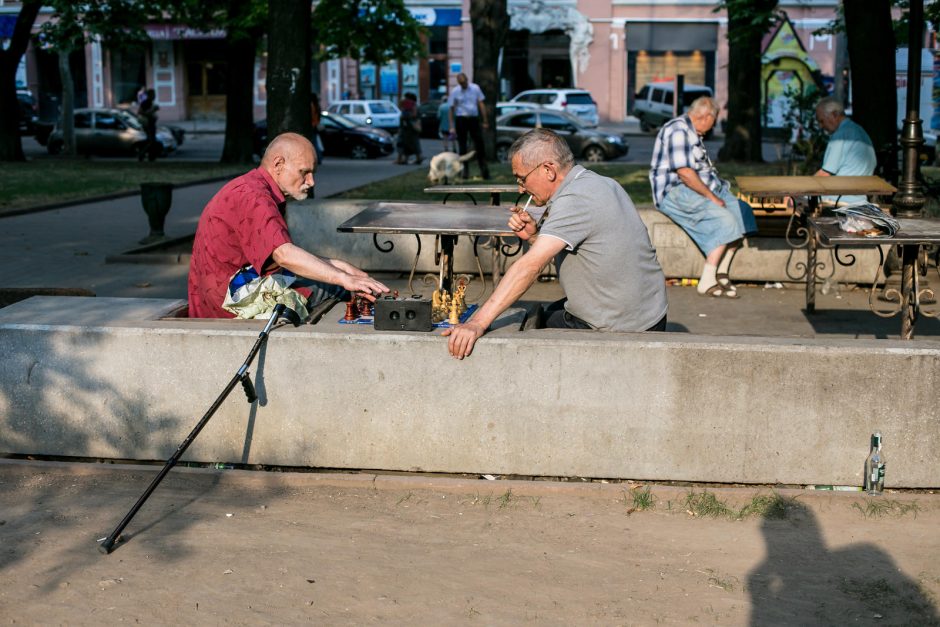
{"x": 240, "y": 547}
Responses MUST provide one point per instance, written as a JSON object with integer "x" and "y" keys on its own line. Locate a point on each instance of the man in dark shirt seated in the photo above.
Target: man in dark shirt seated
{"x": 244, "y": 224}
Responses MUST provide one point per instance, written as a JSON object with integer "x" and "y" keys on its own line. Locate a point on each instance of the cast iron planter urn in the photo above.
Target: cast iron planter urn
{"x": 156, "y": 199}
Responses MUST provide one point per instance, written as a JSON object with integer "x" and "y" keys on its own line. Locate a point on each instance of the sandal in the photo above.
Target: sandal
{"x": 725, "y": 282}
{"x": 717, "y": 290}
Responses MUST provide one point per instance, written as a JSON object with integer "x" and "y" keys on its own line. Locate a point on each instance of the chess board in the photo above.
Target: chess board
{"x": 437, "y": 325}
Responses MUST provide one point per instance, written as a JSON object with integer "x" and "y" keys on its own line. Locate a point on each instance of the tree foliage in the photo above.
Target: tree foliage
{"x": 373, "y": 31}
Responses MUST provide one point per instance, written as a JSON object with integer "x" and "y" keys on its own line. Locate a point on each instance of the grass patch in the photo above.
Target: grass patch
{"x": 707, "y": 505}
{"x": 879, "y": 508}
{"x": 768, "y": 506}
{"x": 637, "y": 500}
{"x": 54, "y": 180}
{"x": 506, "y": 499}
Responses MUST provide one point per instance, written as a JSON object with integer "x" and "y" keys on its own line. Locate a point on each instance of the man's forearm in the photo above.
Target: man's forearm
{"x": 691, "y": 179}
{"x": 518, "y": 278}
{"x": 307, "y": 265}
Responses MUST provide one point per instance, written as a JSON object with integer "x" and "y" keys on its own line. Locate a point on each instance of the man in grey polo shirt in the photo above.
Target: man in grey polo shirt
{"x": 607, "y": 266}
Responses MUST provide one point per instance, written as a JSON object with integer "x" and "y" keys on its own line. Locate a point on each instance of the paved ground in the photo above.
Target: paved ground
{"x": 236, "y": 547}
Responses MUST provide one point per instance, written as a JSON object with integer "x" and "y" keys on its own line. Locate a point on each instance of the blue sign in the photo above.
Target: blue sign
{"x": 7, "y": 24}
{"x": 427, "y": 16}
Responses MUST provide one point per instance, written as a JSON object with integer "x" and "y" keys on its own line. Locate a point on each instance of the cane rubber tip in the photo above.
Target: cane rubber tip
{"x": 104, "y": 549}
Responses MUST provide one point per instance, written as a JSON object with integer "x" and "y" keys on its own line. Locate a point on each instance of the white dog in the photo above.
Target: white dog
{"x": 447, "y": 167}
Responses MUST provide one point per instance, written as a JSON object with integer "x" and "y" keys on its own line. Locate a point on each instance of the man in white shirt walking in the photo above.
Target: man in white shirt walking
{"x": 467, "y": 109}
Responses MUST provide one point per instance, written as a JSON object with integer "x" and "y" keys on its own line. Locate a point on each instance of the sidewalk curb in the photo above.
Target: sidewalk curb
{"x": 9, "y": 213}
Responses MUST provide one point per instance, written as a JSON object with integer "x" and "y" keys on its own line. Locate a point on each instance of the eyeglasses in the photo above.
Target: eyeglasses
{"x": 520, "y": 180}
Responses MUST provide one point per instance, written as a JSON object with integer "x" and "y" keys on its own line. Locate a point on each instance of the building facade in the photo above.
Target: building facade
{"x": 608, "y": 47}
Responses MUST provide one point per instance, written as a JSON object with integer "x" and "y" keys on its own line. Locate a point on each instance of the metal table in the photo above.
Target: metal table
{"x": 494, "y": 190}
{"x": 913, "y": 237}
{"x": 447, "y": 222}
{"x": 807, "y": 191}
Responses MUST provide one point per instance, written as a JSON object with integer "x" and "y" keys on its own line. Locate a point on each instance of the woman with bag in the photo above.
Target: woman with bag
{"x": 409, "y": 130}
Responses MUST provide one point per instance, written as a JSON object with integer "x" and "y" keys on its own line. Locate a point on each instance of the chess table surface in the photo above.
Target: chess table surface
{"x": 430, "y": 218}
{"x": 471, "y": 188}
{"x": 760, "y": 186}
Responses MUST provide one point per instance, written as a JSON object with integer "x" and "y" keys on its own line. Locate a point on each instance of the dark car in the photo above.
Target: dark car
{"x": 427, "y": 113}
{"x": 586, "y": 143}
{"x": 341, "y": 137}
{"x": 28, "y": 111}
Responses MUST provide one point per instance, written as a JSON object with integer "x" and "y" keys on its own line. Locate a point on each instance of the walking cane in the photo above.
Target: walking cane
{"x": 107, "y": 545}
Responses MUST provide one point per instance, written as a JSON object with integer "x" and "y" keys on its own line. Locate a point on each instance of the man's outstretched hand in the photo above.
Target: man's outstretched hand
{"x": 462, "y": 338}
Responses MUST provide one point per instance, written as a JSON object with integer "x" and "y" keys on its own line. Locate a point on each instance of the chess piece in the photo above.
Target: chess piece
{"x": 351, "y": 312}
{"x": 454, "y": 313}
{"x": 461, "y": 297}
{"x": 365, "y": 307}
{"x": 436, "y": 300}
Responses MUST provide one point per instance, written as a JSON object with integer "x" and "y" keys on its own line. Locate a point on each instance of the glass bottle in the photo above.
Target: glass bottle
{"x": 875, "y": 467}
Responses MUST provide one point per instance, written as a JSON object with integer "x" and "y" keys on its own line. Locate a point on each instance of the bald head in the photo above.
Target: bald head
{"x": 287, "y": 146}
{"x": 290, "y": 160}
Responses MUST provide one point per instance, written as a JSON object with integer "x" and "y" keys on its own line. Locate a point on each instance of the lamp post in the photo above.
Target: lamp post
{"x": 909, "y": 201}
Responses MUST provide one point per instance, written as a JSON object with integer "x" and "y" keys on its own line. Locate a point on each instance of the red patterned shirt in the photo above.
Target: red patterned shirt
{"x": 243, "y": 223}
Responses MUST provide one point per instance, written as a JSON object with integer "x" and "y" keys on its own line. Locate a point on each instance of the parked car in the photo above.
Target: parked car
{"x": 376, "y": 113}
{"x": 341, "y": 137}
{"x": 575, "y": 101}
{"x": 653, "y": 103}
{"x": 28, "y": 111}
{"x": 586, "y": 143}
{"x": 110, "y": 132}
{"x": 505, "y": 108}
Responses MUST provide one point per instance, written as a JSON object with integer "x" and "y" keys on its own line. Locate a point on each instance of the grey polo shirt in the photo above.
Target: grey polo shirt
{"x": 608, "y": 269}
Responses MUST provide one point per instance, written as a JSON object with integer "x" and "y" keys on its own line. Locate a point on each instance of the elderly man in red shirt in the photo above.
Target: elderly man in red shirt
{"x": 244, "y": 224}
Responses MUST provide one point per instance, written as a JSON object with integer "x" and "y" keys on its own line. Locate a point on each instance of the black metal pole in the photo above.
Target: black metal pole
{"x": 107, "y": 545}
{"x": 909, "y": 201}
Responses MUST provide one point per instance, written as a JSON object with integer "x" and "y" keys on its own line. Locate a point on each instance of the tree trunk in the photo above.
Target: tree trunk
{"x": 288, "y": 82}
{"x": 490, "y": 19}
{"x": 870, "y": 36}
{"x": 743, "y": 131}
{"x": 239, "y": 89}
{"x": 67, "y": 121}
{"x": 11, "y": 146}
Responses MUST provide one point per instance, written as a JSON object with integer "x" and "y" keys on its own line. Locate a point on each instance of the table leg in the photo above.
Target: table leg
{"x": 447, "y": 261}
{"x": 811, "y": 246}
{"x": 909, "y": 305}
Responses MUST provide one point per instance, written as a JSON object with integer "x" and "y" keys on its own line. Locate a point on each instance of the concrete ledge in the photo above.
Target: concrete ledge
{"x": 313, "y": 225}
{"x": 119, "y": 381}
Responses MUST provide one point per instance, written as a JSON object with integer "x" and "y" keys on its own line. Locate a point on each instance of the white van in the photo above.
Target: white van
{"x": 577, "y": 102}
{"x": 653, "y": 104}
{"x": 376, "y": 113}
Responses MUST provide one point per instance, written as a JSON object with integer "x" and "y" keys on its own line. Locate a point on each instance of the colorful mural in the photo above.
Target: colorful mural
{"x": 787, "y": 68}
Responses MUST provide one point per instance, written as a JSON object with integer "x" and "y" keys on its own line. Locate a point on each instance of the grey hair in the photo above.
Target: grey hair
{"x": 541, "y": 145}
{"x": 830, "y": 106}
{"x": 704, "y": 104}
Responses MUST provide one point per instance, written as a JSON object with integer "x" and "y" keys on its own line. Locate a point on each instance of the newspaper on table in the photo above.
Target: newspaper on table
{"x": 866, "y": 219}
